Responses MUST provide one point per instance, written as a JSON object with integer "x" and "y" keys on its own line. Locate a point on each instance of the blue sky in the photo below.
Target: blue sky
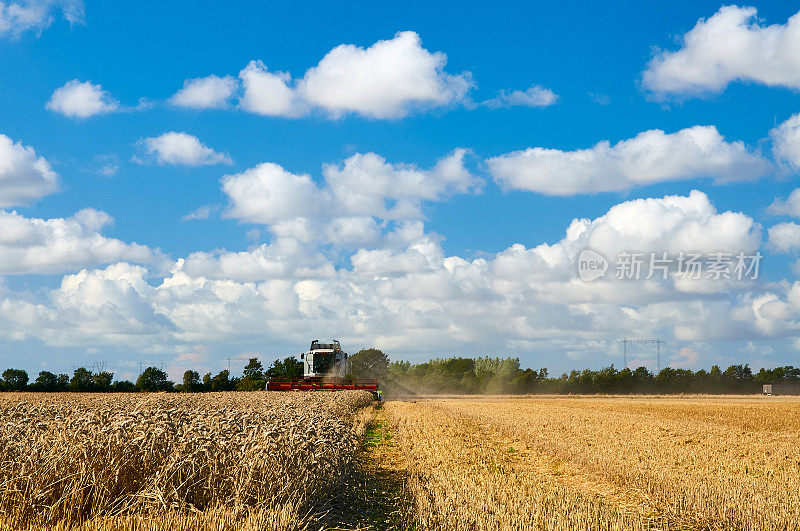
{"x": 591, "y": 58}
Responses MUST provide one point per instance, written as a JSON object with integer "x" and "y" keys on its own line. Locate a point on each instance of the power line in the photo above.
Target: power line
{"x": 96, "y": 366}
{"x": 157, "y": 364}
{"x": 640, "y": 342}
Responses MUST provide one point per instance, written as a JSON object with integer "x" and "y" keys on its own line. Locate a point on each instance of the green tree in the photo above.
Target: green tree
{"x": 222, "y": 381}
{"x": 15, "y": 380}
{"x": 370, "y": 363}
{"x": 191, "y": 382}
{"x": 606, "y": 380}
{"x": 46, "y": 382}
{"x": 153, "y": 379}
{"x": 101, "y": 381}
{"x": 701, "y": 382}
{"x": 62, "y": 383}
{"x": 254, "y": 370}
{"x": 715, "y": 380}
{"x": 81, "y": 381}
{"x": 738, "y": 379}
{"x": 253, "y": 376}
{"x": 529, "y": 381}
{"x": 671, "y": 380}
{"x": 779, "y": 375}
{"x": 625, "y": 381}
{"x": 643, "y": 380}
{"x": 289, "y": 368}
{"x": 123, "y": 386}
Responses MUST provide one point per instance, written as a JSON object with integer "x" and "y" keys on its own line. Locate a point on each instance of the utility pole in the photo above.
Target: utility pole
{"x": 642, "y": 342}
{"x": 658, "y": 348}
{"x": 157, "y": 364}
{"x": 624, "y": 342}
{"x": 97, "y": 366}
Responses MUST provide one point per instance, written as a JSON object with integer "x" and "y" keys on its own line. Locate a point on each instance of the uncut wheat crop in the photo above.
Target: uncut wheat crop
{"x": 210, "y": 461}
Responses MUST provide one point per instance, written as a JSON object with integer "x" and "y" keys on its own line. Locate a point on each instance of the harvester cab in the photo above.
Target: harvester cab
{"x": 325, "y": 367}
{"x": 324, "y": 360}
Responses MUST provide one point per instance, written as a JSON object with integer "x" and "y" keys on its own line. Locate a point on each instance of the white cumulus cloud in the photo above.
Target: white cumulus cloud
{"x": 405, "y": 294}
{"x": 386, "y": 80}
{"x": 211, "y": 92}
{"x": 268, "y": 93}
{"x": 47, "y": 246}
{"x": 364, "y": 185}
{"x": 24, "y": 177}
{"x": 203, "y": 212}
{"x": 356, "y": 230}
{"x": 114, "y": 306}
{"x": 786, "y": 141}
{"x": 650, "y": 157}
{"x": 536, "y": 96}
{"x": 283, "y": 258}
{"x": 36, "y": 15}
{"x": 785, "y": 237}
{"x": 78, "y": 99}
{"x": 786, "y": 207}
{"x": 181, "y": 149}
{"x": 268, "y": 194}
{"x": 671, "y": 223}
{"x": 732, "y": 45}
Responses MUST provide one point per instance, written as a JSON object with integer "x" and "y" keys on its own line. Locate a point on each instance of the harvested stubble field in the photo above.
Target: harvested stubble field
{"x": 140, "y": 461}
{"x": 600, "y": 463}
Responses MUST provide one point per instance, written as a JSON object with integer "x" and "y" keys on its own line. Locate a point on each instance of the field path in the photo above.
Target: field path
{"x": 374, "y": 495}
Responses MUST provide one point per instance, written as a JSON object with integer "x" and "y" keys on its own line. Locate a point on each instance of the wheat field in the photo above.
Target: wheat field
{"x": 156, "y": 461}
{"x": 255, "y": 461}
{"x": 601, "y": 463}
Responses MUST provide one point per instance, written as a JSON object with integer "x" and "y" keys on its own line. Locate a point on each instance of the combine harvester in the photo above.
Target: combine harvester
{"x": 325, "y": 368}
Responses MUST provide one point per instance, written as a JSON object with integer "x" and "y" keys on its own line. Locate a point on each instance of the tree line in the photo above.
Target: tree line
{"x": 487, "y": 375}
{"x": 254, "y": 377}
{"x": 455, "y": 375}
